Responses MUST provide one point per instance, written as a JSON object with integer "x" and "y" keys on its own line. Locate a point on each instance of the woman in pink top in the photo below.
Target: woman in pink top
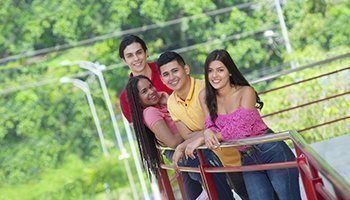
{"x": 231, "y": 107}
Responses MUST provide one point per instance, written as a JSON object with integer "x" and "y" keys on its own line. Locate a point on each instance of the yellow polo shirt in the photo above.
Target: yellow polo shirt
{"x": 190, "y": 110}
{"x": 191, "y": 114}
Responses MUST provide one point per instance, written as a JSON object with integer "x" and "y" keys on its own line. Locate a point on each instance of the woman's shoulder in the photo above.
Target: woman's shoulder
{"x": 152, "y": 114}
{"x": 248, "y": 97}
{"x": 247, "y": 90}
{"x": 150, "y": 110}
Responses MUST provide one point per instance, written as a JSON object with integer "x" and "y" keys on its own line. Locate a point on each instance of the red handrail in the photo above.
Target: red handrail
{"x": 309, "y": 164}
{"x": 302, "y": 81}
{"x": 308, "y": 167}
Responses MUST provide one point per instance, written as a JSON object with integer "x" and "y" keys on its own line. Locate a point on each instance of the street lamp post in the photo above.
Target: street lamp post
{"x": 97, "y": 70}
{"x": 85, "y": 87}
{"x": 155, "y": 190}
{"x": 284, "y": 30}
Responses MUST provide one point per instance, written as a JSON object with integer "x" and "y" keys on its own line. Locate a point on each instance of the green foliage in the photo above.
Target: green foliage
{"x": 76, "y": 180}
{"x": 57, "y": 22}
{"x": 328, "y": 29}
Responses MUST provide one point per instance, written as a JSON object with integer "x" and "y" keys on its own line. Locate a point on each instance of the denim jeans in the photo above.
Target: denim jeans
{"x": 271, "y": 184}
{"x": 237, "y": 184}
{"x": 192, "y": 187}
{"x": 220, "y": 182}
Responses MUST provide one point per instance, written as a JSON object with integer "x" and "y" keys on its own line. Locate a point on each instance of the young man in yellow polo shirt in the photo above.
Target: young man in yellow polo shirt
{"x": 185, "y": 109}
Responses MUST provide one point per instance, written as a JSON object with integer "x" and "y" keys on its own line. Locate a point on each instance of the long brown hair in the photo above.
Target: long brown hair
{"x": 236, "y": 78}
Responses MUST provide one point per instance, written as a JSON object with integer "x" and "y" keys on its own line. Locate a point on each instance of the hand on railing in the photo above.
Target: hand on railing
{"x": 210, "y": 139}
{"x": 177, "y": 156}
{"x": 191, "y": 147}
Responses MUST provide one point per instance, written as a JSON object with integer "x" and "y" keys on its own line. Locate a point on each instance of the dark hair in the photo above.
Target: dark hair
{"x": 169, "y": 56}
{"x": 146, "y": 139}
{"x": 236, "y": 78}
{"x": 129, "y": 39}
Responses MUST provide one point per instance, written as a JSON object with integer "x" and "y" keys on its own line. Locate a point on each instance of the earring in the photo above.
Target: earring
{"x": 230, "y": 74}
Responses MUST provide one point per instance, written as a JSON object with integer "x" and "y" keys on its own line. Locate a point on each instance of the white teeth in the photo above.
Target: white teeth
{"x": 174, "y": 83}
{"x": 153, "y": 97}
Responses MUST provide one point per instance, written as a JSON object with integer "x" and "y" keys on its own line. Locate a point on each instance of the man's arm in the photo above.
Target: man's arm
{"x": 184, "y": 131}
{"x": 196, "y": 136}
{"x": 196, "y": 140}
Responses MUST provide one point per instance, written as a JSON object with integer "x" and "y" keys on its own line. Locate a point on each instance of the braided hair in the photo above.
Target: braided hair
{"x": 146, "y": 139}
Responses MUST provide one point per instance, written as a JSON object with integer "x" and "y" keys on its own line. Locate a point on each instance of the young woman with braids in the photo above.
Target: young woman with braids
{"x": 231, "y": 107}
{"x": 153, "y": 125}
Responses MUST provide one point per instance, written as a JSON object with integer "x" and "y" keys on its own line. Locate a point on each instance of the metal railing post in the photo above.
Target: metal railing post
{"x": 165, "y": 186}
{"x": 97, "y": 69}
{"x": 207, "y": 178}
{"x": 86, "y": 89}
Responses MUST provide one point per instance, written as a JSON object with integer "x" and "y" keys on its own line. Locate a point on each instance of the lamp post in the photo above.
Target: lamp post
{"x": 85, "y": 88}
{"x": 155, "y": 190}
{"x": 284, "y": 30}
{"x": 97, "y": 70}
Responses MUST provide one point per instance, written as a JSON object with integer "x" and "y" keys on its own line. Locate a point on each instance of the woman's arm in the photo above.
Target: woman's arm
{"x": 164, "y": 134}
{"x": 211, "y": 139}
{"x": 155, "y": 121}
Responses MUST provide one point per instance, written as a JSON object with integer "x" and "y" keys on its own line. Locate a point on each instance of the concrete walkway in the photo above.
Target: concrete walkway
{"x": 336, "y": 152}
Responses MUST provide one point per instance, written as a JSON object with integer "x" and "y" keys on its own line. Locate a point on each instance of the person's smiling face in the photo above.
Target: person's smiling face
{"x": 218, "y": 75}
{"x": 174, "y": 75}
{"x": 136, "y": 58}
{"x": 147, "y": 93}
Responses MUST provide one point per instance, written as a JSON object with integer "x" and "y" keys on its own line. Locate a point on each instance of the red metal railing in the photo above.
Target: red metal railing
{"x": 305, "y": 80}
{"x": 300, "y": 82}
{"x": 311, "y": 102}
{"x": 289, "y": 71}
{"x": 308, "y": 162}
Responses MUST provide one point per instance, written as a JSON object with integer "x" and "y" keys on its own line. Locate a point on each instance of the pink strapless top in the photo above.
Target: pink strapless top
{"x": 241, "y": 123}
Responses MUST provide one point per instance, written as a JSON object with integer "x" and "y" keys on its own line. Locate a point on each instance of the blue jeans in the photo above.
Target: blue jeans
{"x": 192, "y": 187}
{"x": 223, "y": 189}
{"x": 271, "y": 184}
